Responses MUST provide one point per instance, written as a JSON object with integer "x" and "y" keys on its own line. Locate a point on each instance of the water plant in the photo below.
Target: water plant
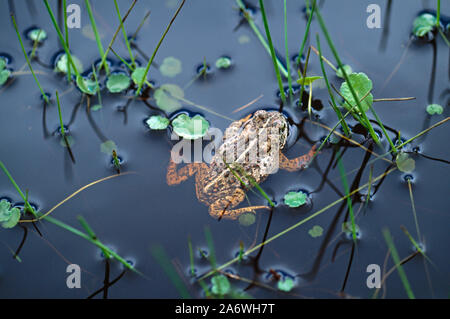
{"x": 190, "y": 127}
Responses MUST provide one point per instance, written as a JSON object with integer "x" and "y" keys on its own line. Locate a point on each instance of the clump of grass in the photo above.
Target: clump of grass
{"x": 44, "y": 96}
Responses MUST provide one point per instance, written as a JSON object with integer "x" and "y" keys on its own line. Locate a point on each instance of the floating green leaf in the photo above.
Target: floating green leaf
{"x": 9, "y": 217}
{"x": 87, "y": 85}
{"x": 405, "y": 163}
{"x": 220, "y": 285}
{"x": 286, "y": 284}
{"x": 2, "y": 63}
{"x": 118, "y": 82}
{"x": 61, "y": 63}
{"x": 247, "y": 219}
{"x": 362, "y": 85}
{"x": 223, "y": 62}
{"x": 347, "y": 68}
{"x": 423, "y": 24}
{"x": 37, "y": 35}
{"x": 434, "y": 109}
{"x": 107, "y": 147}
{"x": 295, "y": 199}
{"x": 4, "y": 76}
{"x": 170, "y": 67}
{"x": 190, "y": 128}
{"x": 316, "y": 231}
{"x": 138, "y": 75}
{"x": 167, "y": 97}
{"x": 347, "y": 228}
{"x": 158, "y": 122}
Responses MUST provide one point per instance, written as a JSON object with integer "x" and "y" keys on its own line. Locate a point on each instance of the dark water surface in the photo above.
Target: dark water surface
{"x": 132, "y": 213}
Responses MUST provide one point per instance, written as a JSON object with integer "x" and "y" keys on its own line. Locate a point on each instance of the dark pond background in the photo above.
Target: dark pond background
{"x": 134, "y": 212}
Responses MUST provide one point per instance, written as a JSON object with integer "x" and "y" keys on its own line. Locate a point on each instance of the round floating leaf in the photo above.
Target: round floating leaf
{"x": 2, "y": 63}
{"x": 223, "y": 62}
{"x": 190, "y": 128}
{"x": 167, "y": 97}
{"x": 87, "y": 85}
{"x": 285, "y": 284}
{"x": 170, "y": 67}
{"x": 9, "y": 217}
{"x": 118, "y": 82}
{"x": 423, "y": 24}
{"x": 295, "y": 199}
{"x": 107, "y": 147}
{"x": 405, "y": 163}
{"x": 347, "y": 68}
{"x": 38, "y": 35}
{"x": 4, "y": 76}
{"x": 220, "y": 285}
{"x": 362, "y": 85}
{"x": 138, "y": 75}
{"x": 61, "y": 64}
{"x": 316, "y": 231}
{"x": 158, "y": 122}
{"x": 247, "y": 219}
{"x": 434, "y": 109}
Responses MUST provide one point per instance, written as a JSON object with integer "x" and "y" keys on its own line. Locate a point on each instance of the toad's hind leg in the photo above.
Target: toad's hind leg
{"x": 297, "y": 163}
{"x": 175, "y": 177}
{"x": 219, "y": 209}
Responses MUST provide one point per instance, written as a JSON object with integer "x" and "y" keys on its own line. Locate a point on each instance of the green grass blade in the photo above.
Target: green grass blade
{"x": 347, "y": 192}
{"x": 44, "y": 96}
{"x": 305, "y": 37}
{"x": 125, "y": 36}
{"x": 97, "y": 36}
{"x": 260, "y": 37}
{"x": 161, "y": 257}
{"x": 288, "y": 62}
{"x": 330, "y": 93}
{"x": 191, "y": 256}
{"x": 272, "y": 51}
{"x": 138, "y": 91}
{"x": 66, "y": 32}
{"x": 396, "y": 258}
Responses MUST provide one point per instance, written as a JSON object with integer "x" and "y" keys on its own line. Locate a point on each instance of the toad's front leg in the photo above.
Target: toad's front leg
{"x": 175, "y": 177}
{"x": 220, "y": 208}
{"x": 297, "y": 163}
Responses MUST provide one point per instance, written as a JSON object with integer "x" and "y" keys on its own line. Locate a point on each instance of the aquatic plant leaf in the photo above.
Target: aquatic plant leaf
{"x": 295, "y": 199}
{"x": 61, "y": 64}
{"x": 107, "y": 147}
{"x": 158, "y": 122}
{"x": 347, "y": 68}
{"x": 247, "y": 219}
{"x": 2, "y": 63}
{"x": 316, "y": 231}
{"x": 170, "y": 67}
{"x": 308, "y": 80}
{"x": 37, "y": 35}
{"x": 4, "y": 76}
{"x": 167, "y": 97}
{"x": 285, "y": 284}
{"x": 86, "y": 85}
{"x": 190, "y": 128}
{"x": 9, "y": 217}
{"x": 223, "y": 62}
{"x": 220, "y": 285}
{"x": 138, "y": 75}
{"x": 423, "y": 24}
{"x": 362, "y": 85}
{"x": 118, "y": 82}
{"x": 434, "y": 109}
{"x": 405, "y": 163}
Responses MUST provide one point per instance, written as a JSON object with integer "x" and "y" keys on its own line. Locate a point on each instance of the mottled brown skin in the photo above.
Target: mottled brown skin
{"x": 216, "y": 184}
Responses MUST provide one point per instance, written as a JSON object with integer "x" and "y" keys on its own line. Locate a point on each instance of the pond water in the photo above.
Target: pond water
{"x": 137, "y": 211}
